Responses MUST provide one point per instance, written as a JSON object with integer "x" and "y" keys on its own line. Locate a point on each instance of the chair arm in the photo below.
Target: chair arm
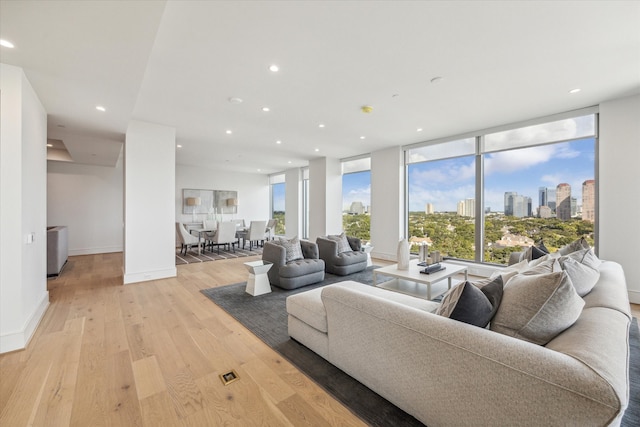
{"x": 274, "y": 253}
{"x": 328, "y": 249}
{"x": 355, "y": 243}
{"x": 309, "y": 249}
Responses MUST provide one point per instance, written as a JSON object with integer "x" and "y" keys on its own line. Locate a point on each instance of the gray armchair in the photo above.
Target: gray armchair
{"x": 293, "y": 274}
{"x": 342, "y": 263}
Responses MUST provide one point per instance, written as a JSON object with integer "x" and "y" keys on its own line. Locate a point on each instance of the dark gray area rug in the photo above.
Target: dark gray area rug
{"x": 266, "y": 317}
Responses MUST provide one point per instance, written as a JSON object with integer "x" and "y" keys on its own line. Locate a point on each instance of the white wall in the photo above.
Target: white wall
{"x": 387, "y": 202}
{"x": 619, "y": 178}
{"x": 23, "y": 265}
{"x": 150, "y": 182}
{"x": 253, "y": 192}
{"x": 88, "y": 200}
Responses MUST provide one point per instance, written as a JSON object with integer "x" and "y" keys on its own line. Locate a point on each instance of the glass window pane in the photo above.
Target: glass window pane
{"x": 444, "y": 150}
{"x": 442, "y": 206}
{"x": 278, "y": 206}
{"x": 560, "y": 130}
{"x": 538, "y": 193}
{"x": 356, "y": 205}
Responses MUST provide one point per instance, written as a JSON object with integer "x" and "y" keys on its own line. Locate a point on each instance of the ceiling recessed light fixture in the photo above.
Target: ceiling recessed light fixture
{"x": 289, "y": 162}
{"x": 228, "y": 132}
{"x": 363, "y": 137}
{"x": 179, "y": 146}
{"x": 259, "y": 170}
{"x": 6, "y": 43}
{"x": 49, "y": 145}
{"x": 266, "y": 109}
{"x": 419, "y": 130}
{"x": 235, "y": 100}
{"x": 316, "y": 150}
{"x": 321, "y": 125}
{"x": 100, "y": 108}
{"x": 576, "y": 90}
{"x": 274, "y": 68}
{"x": 278, "y": 142}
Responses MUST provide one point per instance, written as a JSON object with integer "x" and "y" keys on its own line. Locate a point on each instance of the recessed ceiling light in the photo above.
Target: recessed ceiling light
{"x": 321, "y": 125}
{"x": 437, "y": 80}
{"x": 363, "y": 137}
{"x": 289, "y": 162}
{"x": 278, "y": 142}
{"x": 6, "y": 43}
{"x": 419, "y": 130}
{"x": 258, "y": 170}
{"x": 49, "y": 145}
{"x": 316, "y": 150}
{"x": 235, "y": 100}
{"x": 229, "y": 132}
{"x": 100, "y": 108}
{"x": 274, "y": 68}
{"x": 266, "y": 109}
{"x": 576, "y": 90}
{"x": 179, "y": 146}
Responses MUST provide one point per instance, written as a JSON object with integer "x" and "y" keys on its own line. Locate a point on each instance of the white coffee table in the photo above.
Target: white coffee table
{"x": 412, "y": 282}
{"x": 258, "y": 282}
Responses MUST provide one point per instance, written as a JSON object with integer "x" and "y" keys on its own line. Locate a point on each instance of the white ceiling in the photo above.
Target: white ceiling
{"x": 177, "y": 63}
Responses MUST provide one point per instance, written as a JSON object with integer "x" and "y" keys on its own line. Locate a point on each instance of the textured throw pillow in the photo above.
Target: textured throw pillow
{"x": 549, "y": 266}
{"x": 583, "y": 277}
{"x": 293, "y": 248}
{"x": 536, "y": 308}
{"x": 533, "y": 253}
{"x": 343, "y": 243}
{"x": 508, "y": 272}
{"x": 471, "y": 304}
{"x": 576, "y": 245}
{"x": 586, "y": 257}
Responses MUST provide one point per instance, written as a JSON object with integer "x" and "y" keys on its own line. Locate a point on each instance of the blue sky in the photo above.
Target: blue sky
{"x": 278, "y": 196}
{"x": 444, "y": 183}
{"x": 356, "y": 187}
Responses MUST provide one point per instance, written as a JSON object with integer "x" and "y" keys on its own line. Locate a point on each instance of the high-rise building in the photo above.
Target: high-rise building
{"x": 551, "y": 199}
{"x": 543, "y": 199}
{"x": 357, "y": 208}
{"x": 467, "y": 208}
{"x": 589, "y": 200}
{"x": 544, "y": 212}
{"x": 563, "y": 201}
{"x": 428, "y": 209}
{"x": 574, "y": 207}
{"x": 508, "y": 202}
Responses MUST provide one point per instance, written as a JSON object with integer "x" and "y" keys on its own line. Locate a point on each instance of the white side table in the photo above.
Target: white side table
{"x": 258, "y": 282}
{"x": 367, "y": 250}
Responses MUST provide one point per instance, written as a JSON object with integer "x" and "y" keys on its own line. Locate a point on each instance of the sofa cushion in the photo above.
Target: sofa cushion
{"x": 292, "y": 247}
{"x": 583, "y": 277}
{"x": 536, "y": 308}
{"x": 343, "y": 242}
{"x": 472, "y": 304}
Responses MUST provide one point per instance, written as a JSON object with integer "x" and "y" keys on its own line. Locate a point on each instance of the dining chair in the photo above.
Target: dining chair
{"x": 271, "y": 228}
{"x": 256, "y": 233}
{"x": 186, "y": 239}
{"x": 225, "y": 235}
{"x": 210, "y": 226}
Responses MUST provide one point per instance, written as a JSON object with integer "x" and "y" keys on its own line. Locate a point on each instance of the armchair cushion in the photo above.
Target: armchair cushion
{"x": 341, "y": 263}
{"x": 292, "y": 248}
{"x": 296, "y": 273}
{"x": 343, "y": 243}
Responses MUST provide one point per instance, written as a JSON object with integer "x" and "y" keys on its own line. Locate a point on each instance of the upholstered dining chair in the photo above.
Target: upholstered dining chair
{"x": 225, "y": 235}
{"x": 186, "y": 239}
{"x": 271, "y": 228}
{"x": 211, "y": 226}
{"x": 256, "y": 233}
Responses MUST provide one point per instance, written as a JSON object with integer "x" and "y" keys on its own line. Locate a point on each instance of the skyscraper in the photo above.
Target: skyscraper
{"x": 542, "y": 196}
{"x": 589, "y": 200}
{"x": 467, "y": 208}
{"x": 508, "y": 202}
{"x": 428, "y": 208}
{"x": 563, "y": 201}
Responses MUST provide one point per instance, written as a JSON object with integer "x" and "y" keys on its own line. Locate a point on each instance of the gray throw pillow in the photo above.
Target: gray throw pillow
{"x": 576, "y": 245}
{"x": 471, "y": 304}
{"x": 292, "y": 247}
{"x": 537, "y": 308}
{"x": 583, "y": 277}
{"x": 343, "y": 242}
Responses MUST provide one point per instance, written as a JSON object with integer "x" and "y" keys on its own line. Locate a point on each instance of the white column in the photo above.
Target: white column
{"x": 325, "y": 197}
{"x": 293, "y": 203}
{"x": 23, "y": 209}
{"x": 387, "y": 202}
{"x": 618, "y": 181}
{"x": 149, "y": 202}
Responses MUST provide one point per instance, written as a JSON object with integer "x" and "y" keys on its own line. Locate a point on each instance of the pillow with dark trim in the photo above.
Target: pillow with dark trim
{"x": 343, "y": 242}
{"x": 471, "y": 304}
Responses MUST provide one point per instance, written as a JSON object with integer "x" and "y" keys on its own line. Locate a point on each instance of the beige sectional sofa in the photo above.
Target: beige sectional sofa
{"x": 448, "y": 373}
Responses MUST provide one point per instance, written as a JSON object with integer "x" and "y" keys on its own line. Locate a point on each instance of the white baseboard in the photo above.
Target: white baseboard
{"x": 145, "y": 276}
{"x": 634, "y": 297}
{"x": 18, "y": 340}
{"x": 93, "y": 251}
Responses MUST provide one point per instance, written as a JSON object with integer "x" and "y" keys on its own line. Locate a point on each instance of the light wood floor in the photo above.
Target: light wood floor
{"x": 150, "y": 354}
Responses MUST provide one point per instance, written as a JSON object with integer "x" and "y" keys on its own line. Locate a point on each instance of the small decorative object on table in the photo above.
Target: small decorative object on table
{"x": 403, "y": 254}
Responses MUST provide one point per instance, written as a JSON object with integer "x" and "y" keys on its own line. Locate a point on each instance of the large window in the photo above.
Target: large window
{"x": 505, "y": 190}
{"x": 278, "y": 201}
{"x": 356, "y": 198}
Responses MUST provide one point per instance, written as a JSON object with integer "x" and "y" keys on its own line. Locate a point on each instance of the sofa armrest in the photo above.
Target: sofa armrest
{"x": 425, "y": 364}
{"x": 309, "y": 249}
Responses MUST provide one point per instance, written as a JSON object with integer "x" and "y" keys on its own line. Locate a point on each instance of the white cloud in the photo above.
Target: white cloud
{"x": 518, "y": 160}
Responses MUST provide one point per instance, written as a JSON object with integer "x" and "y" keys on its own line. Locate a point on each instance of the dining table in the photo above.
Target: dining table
{"x": 200, "y": 232}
